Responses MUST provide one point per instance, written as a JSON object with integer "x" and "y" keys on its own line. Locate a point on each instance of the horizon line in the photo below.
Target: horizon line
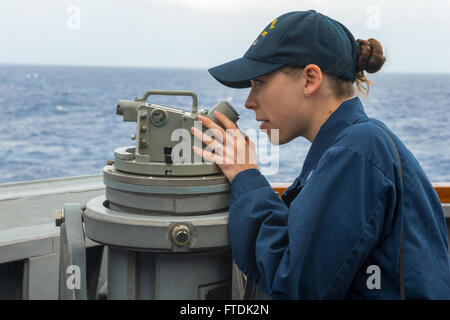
{"x": 181, "y": 68}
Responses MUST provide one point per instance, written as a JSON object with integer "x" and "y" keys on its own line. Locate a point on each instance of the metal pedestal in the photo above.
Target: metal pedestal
{"x": 167, "y": 237}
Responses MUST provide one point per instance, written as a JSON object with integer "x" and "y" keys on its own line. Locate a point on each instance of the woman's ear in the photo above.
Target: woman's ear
{"x": 313, "y": 77}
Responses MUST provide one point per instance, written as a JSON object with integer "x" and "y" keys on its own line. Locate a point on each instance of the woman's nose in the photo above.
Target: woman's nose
{"x": 250, "y": 103}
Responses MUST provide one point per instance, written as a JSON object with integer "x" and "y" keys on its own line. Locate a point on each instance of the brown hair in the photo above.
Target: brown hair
{"x": 370, "y": 59}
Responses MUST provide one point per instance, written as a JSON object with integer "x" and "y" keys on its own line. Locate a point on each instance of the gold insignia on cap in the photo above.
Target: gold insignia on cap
{"x": 272, "y": 25}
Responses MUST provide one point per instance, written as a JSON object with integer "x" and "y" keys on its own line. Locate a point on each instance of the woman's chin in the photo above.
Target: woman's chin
{"x": 274, "y": 136}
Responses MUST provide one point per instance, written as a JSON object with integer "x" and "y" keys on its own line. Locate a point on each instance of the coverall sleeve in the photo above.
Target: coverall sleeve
{"x": 313, "y": 248}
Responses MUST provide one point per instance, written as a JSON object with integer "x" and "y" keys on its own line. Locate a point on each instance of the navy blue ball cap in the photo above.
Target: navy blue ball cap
{"x": 294, "y": 39}
{"x": 239, "y": 72}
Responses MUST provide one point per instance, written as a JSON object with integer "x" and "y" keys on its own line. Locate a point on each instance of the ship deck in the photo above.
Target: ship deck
{"x": 29, "y": 239}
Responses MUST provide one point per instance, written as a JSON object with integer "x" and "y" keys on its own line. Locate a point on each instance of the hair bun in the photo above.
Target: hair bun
{"x": 370, "y": 56}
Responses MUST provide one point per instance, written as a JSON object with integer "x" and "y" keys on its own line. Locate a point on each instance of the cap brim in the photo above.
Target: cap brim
{"x": 239, "y": 72}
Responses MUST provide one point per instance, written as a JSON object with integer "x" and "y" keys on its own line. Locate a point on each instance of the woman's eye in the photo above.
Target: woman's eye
{"x": 258, "y": 82}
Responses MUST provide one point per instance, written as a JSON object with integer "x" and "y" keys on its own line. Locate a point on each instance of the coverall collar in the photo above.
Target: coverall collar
{"x": 349, "y": 112}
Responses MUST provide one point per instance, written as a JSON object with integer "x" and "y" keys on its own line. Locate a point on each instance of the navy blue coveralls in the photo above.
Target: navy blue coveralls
{"x": 341, "y": 217}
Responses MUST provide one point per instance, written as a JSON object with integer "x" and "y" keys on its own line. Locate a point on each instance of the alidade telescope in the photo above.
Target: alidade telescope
{"x": 158, "y": 129}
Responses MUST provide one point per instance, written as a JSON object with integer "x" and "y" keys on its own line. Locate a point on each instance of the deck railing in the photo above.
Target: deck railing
{"x": 442, "y": 189}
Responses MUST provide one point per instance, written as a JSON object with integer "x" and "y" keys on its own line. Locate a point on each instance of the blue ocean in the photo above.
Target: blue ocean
{"x": 60, "y": 121}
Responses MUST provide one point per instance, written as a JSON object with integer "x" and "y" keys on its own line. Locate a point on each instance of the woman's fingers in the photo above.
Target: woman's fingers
{"x": 227, "y": 123}
{"x": 209, "y": 124}
{"x": 219, "y": 133}
{"x": 212, "y": 143}
{"x": 208, "y": 156}
{"x": 230, "y": 150}
{"x": 252, "y": 158}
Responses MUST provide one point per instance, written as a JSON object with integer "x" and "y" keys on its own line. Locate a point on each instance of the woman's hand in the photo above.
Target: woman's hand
{"x": 228, "y": 149}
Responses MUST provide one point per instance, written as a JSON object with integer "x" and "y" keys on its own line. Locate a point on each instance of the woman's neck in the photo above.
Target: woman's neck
{"x": 323, "y": 109}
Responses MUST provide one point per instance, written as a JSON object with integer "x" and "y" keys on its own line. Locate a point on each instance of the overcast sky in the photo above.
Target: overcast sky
{"x": 203, "y": 33}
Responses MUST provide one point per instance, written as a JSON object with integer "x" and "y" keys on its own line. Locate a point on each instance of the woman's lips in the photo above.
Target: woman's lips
{"x": 264, "y": 124}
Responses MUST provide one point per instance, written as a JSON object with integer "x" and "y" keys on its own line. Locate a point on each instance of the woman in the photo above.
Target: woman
{"x": 362, "y": 220}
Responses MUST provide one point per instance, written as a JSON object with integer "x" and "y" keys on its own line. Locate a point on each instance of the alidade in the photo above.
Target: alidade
{"x": 163, "y": 221}
{"x": 159, "y": 129}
